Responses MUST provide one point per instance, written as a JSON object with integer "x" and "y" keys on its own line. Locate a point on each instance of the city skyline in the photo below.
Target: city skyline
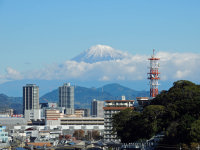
{"x": 39, "y": 39}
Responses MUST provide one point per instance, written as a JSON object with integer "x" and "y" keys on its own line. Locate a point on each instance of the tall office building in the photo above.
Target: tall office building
{"x": 97, "y": 108}
{"x": 66, "y": 98}
{"x": 31, "y": 107}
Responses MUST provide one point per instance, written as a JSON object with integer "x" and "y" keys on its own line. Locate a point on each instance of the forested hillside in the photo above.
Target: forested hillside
{"x": 175, "y": 113}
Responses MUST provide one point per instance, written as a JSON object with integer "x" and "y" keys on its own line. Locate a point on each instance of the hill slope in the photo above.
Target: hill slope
{"x": 118, "y": 90}
{"x": 14, "y": 103}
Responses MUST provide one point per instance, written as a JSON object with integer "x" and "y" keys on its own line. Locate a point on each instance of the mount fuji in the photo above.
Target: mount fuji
{"x": 100, "y": 53}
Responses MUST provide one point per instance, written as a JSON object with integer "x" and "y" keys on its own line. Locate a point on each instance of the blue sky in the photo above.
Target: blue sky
{"x": 36, "y": 34}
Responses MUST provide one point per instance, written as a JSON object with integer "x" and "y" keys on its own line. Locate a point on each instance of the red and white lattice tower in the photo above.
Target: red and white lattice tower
{"x": 153, "y": 75}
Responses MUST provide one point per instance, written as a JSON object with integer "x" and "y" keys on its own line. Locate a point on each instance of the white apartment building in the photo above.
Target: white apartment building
{"x": 112, "y": 107}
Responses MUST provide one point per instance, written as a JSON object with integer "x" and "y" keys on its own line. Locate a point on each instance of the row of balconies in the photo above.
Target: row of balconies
{"x": 119, "y": 103}
{"x": 107, "y": 128}
{"x": 66, "y": 123}
{"x": 108, "y": 124}
{"x": 109, "y": 136}
{"x": 107, "y": 121}
{"x": 82, "y": 121}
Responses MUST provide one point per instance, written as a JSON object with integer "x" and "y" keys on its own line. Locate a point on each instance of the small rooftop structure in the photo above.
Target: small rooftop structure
{"x": 143, "y": 101}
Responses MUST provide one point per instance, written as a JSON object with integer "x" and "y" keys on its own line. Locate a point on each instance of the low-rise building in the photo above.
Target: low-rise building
{"x": 82, "y": 121}
{"x": 79, "y": 112}
{"x": 11, "y": 122}
{"x": 52, "y": 116}
{"x": 82, "y": 112}
{"x": 143, "y": 101}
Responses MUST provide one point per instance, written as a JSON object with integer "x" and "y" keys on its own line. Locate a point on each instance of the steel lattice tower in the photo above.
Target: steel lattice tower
{"x": 153, "y": 75}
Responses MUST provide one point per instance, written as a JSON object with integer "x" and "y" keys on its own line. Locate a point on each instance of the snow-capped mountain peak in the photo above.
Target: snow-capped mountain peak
{"x": 99, "y": 53}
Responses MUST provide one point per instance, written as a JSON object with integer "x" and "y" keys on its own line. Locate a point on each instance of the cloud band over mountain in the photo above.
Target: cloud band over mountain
{"x": 104, "y": 63}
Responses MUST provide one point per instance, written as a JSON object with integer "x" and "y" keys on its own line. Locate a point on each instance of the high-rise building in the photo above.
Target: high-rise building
{"x": 66, "y": 98}
{"x": 97, "y": 108}
{"x": 31, "y": 109}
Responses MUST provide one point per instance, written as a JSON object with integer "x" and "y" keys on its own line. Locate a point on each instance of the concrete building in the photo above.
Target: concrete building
{"x": 79, "y": 112}
{"x": 49, "y": 105}
{"x": 66, "y": 98}
{"x": 82, "y": 112}
{"x": 31, "y": 109}
{"x": 112, "y": 107}
{"x": 143, "y": 101}
{"x": 97, "y": 108}
{"x": 73, "y": 122}
{"x": 11, "y": 122}
{"x": 66, "y": 124}
{"x": 83, "y": 121}
{"x": 57, "y": 118}
{"x": 52, "y": 116}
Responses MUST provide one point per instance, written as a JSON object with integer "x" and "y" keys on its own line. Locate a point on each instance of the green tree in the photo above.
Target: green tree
{"x": 154, "y": 115}
{"x": 195, "y": 131}
{"x": 121, "y": 124}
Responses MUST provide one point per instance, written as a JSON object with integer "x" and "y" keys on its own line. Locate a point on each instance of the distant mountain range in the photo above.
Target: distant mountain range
{"x": 83, "y": 96}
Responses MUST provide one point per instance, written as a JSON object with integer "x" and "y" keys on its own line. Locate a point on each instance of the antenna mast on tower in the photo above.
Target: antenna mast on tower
{"x": 153, "y": 75}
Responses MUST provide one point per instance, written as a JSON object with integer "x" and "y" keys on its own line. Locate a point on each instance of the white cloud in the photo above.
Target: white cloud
{"x": 182, "y": 74}
{"x": 178, "y": 66}
{"x": 104, "y": 78}
{"x": 12, "y": 74}
{"x": 173, "y": 66}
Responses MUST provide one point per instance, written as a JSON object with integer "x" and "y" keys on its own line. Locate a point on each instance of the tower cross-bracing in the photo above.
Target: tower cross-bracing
{"x": 153, "y": 75}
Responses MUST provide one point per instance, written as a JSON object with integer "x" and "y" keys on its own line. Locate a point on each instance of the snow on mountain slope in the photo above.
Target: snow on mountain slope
{"x": 100, "y": 53}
